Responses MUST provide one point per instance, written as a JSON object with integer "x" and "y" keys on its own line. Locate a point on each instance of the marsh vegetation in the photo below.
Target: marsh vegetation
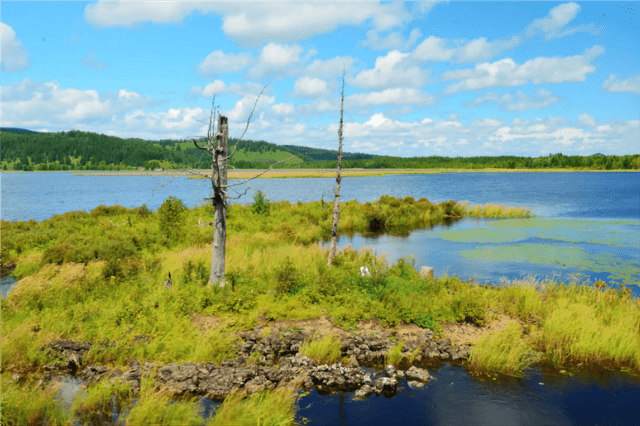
{"x": 93, "y": 276}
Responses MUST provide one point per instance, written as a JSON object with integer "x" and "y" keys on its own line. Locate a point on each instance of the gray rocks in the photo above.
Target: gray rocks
{"x": 385, "y": 385}
{"x": 336, "y": 377}
{"x": 417, "y": 374}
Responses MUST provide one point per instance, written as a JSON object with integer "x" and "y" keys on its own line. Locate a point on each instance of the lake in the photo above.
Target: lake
{"x": 587, "y": 227}
{"x": 590, "y": 230}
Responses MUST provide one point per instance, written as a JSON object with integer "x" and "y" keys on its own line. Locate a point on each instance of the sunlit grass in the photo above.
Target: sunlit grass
{"x": 323, "y": 351}
{"x": 27, "y": 404}
{"x": 273, "y": 408}
{"x": 503, "y": 352}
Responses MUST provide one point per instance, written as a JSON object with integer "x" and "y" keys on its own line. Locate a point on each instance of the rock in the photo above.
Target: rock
{"x": 426, "y": 272}
{"x": 390, "y": 371}
{"x": 364, "y": 392}
{"x": 258, "y": 384}
{"x": 417, "y": 374}
{"x": 399, "y": 374}
{"x": 385, "y": 385}
{"x": 415, "y": 384}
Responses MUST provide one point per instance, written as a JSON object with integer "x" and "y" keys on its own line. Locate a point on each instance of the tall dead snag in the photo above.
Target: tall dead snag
{"x": 218, "y": 146}
{"x": 219, "y": 152}
{"x": 336, "y": 192}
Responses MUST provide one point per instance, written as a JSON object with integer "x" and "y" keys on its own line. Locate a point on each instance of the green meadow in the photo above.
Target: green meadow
{"x": 99, "y": 275}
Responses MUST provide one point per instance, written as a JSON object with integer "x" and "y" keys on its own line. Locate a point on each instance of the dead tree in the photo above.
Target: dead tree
{"x": 218, "y": 146}
{"x": 336, "y": 192}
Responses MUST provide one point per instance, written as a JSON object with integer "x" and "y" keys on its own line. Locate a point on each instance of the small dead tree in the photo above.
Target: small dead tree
{"x": 336, "y": 192}
{"x": 218, "y": 146}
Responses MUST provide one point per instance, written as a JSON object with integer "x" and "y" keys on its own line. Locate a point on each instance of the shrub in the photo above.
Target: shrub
{"x": 103, "y": 210}
{"x": 171, "y": 212}
{"x": 143, "y": 210}
{"x": 286, "y": 277}
{"x": 260, "y": 204}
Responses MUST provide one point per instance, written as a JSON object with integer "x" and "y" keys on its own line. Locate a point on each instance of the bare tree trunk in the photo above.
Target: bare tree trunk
{"x": 219, "y": 184}
{"x": 336, "y": 192}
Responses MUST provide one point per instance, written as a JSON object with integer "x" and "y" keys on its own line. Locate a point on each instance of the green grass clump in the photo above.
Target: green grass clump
{"x": 156, "y": 408}
{"x": 98, "y": 401}
{"x": 26, "y": 404}
{"x": 395, "y": 356}
{"x": 503, "y": 352}
{"x": 592, "y": 328}
{"x": 325, "y": 351}
{"x": 273, "y": 408}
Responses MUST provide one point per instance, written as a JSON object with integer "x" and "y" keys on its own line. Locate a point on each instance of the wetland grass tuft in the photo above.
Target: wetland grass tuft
{"x": 324, "y": 351}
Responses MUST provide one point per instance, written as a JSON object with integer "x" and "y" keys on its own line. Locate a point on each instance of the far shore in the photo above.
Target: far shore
{"x": 320, "y": 173}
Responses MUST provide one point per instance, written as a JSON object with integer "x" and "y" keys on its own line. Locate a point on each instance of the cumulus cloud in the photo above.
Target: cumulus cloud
{"x": 395, "y": 96}
{"x": 253, "y": 23}
{"x": 329, "y": 67}
{"x": 391, "y": 70}
{"x": 506, "y": 72}
{"x": 630, "y": 85}
{"x": 434, "y": 49}
{"x": 586, "y": 120}
{"x": 220, "y": 87}
{"x": 47, "y": 105}
{"x": 218, "y": 62}
{"x": 14, "y": 56}
{"x": 243, "y": 107}
{"x": 306, "y": 87}
{"x": 91, "y": 62}
{"x": 276, "y": 60}
{"x": 393, "y": 40}
{"x": 553, "y": 25}
{"x": 519, "y": 101}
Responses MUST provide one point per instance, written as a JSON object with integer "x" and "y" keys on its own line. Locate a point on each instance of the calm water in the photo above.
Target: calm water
{"x": 588, "y": 227}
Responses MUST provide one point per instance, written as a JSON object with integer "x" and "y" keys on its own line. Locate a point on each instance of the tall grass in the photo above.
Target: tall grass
{"x": 273, "y": 408}
{"x": 324, "y": 351}
{"x": 27, "y": 404}
{"x": 502, "y": 352}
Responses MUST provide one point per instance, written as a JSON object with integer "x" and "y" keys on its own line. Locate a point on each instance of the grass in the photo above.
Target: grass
{"x": 91, "y": 276}
{"x": 395, "y": 356}
{"x": 26, "y": 404}
{"x": 325, "y": 351}
{"x": 503, "y": 352}
{"x": 273, "y": 408}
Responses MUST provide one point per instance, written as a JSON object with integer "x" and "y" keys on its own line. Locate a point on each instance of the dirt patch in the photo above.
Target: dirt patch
{"x": 205, "y": 322}
{"x": 321, "y": 326}
{"x": 469, "y": 333}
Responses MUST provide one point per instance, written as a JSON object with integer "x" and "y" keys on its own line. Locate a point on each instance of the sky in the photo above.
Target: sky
{"x": 422, "y": 78}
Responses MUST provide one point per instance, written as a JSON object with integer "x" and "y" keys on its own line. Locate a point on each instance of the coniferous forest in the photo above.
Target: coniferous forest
{"x": 77, "y": 150}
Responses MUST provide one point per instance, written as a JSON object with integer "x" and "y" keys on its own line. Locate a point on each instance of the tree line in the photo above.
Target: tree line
{"x": 78, "y": 150}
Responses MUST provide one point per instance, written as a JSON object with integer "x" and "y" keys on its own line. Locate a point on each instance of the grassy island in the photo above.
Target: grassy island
{"x": 97, "y": 278}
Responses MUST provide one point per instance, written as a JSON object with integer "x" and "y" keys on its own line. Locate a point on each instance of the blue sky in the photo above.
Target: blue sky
{"x": 422, "y": 78}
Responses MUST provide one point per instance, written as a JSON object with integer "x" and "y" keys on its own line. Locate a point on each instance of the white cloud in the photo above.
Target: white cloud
{"x": 558, "y": 17}
{"x": 14, "y": 56}
{"x": 253, "y": 23}
{"x": 329, "y": 67}
{"x": 218, "y": 62}
{"x": 506, "y": 72}
{"x": 396, "y": 96}
{"x": 586, "y": 120}
{"x": 434, "y": 49}
{"x": 631, "y": 84}
{"x": 276, "y": 60}
{"x": 91, "y": 62}
{"x": 306, "y": 87}
{"x": 243, "y": 107}
{"x": 36, "y": 105}
{"x": 391, "y": 70}
{"x": 219, "y": 87}
{"x": 519, "y": 101}
{"x": 283, "y": 108}
{"x": 393, "y": 40}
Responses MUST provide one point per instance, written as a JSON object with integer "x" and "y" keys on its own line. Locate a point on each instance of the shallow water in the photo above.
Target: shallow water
{"x": 455, "y": 397}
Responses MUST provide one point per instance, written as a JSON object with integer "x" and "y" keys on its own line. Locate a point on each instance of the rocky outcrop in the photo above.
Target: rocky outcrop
{"x": 280, "y": 364}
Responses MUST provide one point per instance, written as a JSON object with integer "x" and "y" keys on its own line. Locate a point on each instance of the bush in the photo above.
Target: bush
{"x": 143, "y": 210}
{"x": 286, "y": 277}
{"x": 260, "y": 204}
{"x": 171, "y": 212}
{"x": 103, "y": 210}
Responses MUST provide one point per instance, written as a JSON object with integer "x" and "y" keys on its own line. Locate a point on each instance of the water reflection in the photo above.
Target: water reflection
{"x": 455, "y": 397}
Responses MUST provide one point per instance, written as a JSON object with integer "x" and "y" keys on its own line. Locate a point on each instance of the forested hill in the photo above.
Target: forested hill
{"x": 23, "y": 149}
